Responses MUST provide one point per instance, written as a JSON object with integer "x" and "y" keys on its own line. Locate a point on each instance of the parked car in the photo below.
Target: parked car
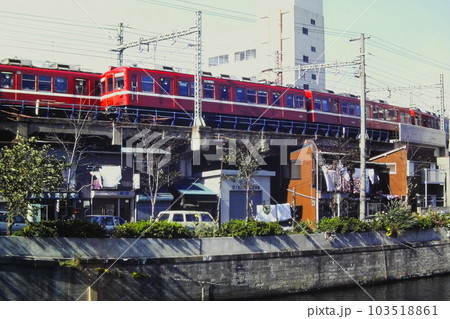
{"x": 188, "y": 218}
{"x": 107, "y": 221}
{"x": 18, "y": 225}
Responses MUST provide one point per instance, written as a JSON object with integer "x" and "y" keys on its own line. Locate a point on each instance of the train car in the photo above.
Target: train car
{"x": 166, "y": 89}
{"x": 55, "y": 86}
{"x": 172, "y": 91}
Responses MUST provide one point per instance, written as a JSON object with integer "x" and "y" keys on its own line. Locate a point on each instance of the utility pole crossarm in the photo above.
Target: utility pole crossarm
{"x": 157, "y": 38}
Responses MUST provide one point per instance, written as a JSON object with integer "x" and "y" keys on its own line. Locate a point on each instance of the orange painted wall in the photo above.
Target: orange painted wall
{"x": 398, "y": 182}
{"x": 304, "y": 185}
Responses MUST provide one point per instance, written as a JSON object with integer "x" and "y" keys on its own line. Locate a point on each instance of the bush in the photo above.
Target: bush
{"x": 239, "y": 228}
{"x": 67, "y": 228}
{"x": 148, "y": 229}
{"x": 342, "y": 225}
{"x": 302, "y": 227}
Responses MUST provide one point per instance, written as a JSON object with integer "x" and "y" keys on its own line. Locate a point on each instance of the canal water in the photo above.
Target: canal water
{"x": 436, "y": 288}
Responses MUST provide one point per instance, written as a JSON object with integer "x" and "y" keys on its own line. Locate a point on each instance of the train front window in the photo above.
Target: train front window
{"x": 166, "y": 86}
{"x": 120, "y": 82}
{"x": 208, "y": 91}
{"x": 61, "y": 85}
{"x": 109, "y": 86}
{"x": 147, "y": 84}
{"x": 45, "y": 83}
{"x": 6, "y": 80}
{"x": 240, "y": 95}
{"x": 28, "y": 82}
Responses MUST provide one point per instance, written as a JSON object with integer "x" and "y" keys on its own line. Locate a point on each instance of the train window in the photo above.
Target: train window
{"x": 28, "y": 82}
{"x": 317, "y": 105}
{"x": 81, "y": 86}
{"x": 183, "y": 88}
{"x": 208, "y": 90}
{"x": 6, "y": 80}
{"x": 110, "y": 84}
{"x": 166, "y": 86}
{"x": 120, "y": 82}
{"x": 192, "y": 89}
{"x": 325, "y": 105}
{"x": 225, "y": 93}
{"x": 147, "y": 84}
{"x": 97, "y": 88}
{"x": 344, "y": 108}
{"x": 134, "y": 82}
{"x": 251, "y": 96}
{"x": 299, "y": 102}
{"x": 44, "y": 83}
{"x": 262, "y": 97}
{"x": 276, "y": 99}
{"x": 240, "y": 95}
{"x": 289, "y": 100}
{"x": 351, "y": 109}
{"x": 393, "y": 115}
{"x": 61, "y": 85}
{"x": 335, "y": 106}
{"x": 358, "y": 110}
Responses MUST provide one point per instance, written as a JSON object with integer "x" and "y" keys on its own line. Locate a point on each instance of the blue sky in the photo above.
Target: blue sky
{"x": 409, "y": 44}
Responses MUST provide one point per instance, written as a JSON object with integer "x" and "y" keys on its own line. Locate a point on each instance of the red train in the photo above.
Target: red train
{"x": 173, "y": 91}
{"x": 55, "y": 86}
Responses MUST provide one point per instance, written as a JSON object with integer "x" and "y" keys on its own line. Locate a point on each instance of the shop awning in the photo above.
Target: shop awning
{"x": 197, "y": 189}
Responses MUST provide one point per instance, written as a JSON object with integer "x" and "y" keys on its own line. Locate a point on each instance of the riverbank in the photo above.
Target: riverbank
{"x": 212, "y": 268}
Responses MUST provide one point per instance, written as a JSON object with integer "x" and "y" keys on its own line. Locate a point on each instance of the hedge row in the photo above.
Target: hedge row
{"x": 393, "y": 223}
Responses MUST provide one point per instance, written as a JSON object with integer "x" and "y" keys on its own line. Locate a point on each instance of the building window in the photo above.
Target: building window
{"x": 313, "y": 22}
{"x": 245, "y": 55}
{"x": 250, "y": 54}
{"x": 305, "y": 31}
{"x": 313, "y": 77}
{"x": 306, "y": 58}
{"x": 313, "y": 49}
{"x": 295, "y": 170}
{"x": 218, "y": 60}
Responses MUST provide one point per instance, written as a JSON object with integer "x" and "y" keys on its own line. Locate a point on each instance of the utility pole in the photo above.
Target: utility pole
{"x": 120, "y": 42}
{"x": 198, "y": 117}
{"x": 362, "y": 137}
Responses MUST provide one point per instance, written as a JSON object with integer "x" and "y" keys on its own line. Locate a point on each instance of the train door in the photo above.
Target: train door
{"x": 134, "y": 88}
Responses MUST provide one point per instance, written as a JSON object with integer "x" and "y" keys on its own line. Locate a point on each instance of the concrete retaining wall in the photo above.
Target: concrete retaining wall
{"x": 212, "y": 268}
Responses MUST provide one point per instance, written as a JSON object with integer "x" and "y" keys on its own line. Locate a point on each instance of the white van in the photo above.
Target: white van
{"x": 188, "y": 218}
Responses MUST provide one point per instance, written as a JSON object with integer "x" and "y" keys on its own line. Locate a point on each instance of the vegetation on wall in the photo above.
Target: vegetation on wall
{"x": 397, "y": 219}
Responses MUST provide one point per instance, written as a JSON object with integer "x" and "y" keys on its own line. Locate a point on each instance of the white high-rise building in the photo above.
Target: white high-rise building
{"x": 288, "y": 33}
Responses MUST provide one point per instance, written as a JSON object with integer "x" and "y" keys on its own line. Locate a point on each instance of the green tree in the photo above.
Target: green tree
{"x": 26, "y": 171}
